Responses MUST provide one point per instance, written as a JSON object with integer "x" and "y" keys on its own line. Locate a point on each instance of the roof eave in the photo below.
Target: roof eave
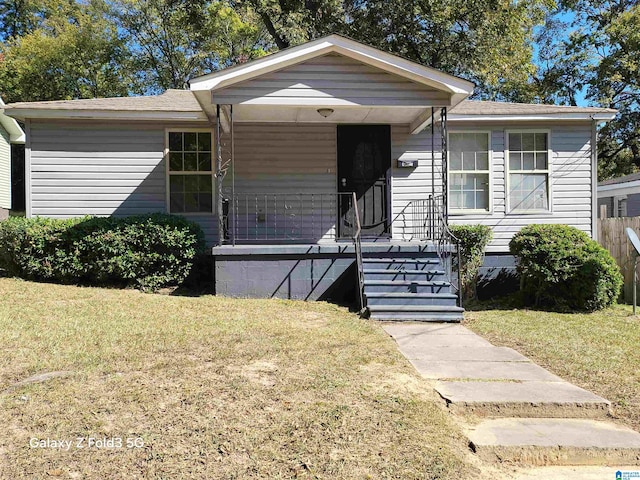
{"x": 601, "y": 117}
{"x": 48, "y": 113}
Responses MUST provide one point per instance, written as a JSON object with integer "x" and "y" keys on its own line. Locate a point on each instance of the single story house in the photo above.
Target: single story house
{"x": 10, "y": 133}
{"x": 619, "y": 197}
{"x": 327, "y": 164}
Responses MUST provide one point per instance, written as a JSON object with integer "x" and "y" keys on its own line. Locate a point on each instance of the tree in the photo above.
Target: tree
{"x": 485, "y": 41}
{"x": 173, "y": 41}
{"x": 66, "y": 50}
{"x": 600, "y": 57}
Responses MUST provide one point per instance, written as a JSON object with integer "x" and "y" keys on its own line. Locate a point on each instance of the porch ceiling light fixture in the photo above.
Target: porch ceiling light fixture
{"x": 325, "y": 112}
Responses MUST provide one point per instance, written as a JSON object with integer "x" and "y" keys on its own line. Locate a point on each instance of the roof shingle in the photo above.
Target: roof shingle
{"x": 169, "y": 101}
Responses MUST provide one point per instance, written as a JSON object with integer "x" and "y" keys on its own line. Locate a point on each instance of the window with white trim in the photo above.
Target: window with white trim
{"x": 528, "y": 171}
{"x": 190, "y": 174}
{"x": 469, "y": 172}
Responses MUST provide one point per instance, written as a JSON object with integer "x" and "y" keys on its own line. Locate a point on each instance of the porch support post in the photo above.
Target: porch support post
{"x": 445, "y": 167}
{"x": 433, "y": 151}
{"x": 219, "y": 177}
{"x": 232, "y": 200}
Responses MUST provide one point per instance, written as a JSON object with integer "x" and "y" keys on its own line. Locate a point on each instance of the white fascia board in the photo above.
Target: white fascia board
{"x": 423, "y": 120}
{"x": 16, "y": 135}
{"x": 604, "y": 117}
{"x": 260, "y": 66}
{"x": 620, "y": 186}
{"x": 23, "y": 113}
{"x": 343, "y": 46}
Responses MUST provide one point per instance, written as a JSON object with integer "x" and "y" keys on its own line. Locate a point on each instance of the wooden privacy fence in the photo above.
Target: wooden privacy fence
{"x": 611, "y": 236}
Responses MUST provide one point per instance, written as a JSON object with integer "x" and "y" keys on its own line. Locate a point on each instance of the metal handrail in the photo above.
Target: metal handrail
{"x": 357, "y": 245}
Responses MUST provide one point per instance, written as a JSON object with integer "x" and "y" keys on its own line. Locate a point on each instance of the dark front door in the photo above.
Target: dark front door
{"x": 364, "y": 159}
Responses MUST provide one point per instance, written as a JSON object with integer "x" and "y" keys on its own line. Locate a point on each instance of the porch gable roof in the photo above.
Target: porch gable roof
{"x": 274, "y": 88}
{"x": 343, "y": 46}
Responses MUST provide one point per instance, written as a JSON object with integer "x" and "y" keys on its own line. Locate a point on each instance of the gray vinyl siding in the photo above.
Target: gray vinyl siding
{"x": 633, "y": 205}
{"x": 334, "y": 79}
{"x": 5, "y": 169}
{"x": 570, "y": 177}
{"x": 409, "y": 184}
{"x": 274, "y": 165}
{"x": 570, "y": 184}
{"x": 106, "y": 169}
{"x": 100, "y": 169}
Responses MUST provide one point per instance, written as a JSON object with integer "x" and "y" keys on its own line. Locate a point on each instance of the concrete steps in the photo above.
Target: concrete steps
{"x": 525, "y": 415}
{"x": 522, "y": 399}
{"x": 544, "y": 441}
{"x": 409, "y": 288}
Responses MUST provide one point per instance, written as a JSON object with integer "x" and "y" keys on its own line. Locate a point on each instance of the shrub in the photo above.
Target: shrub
{"x": 144, "y": 251}
{"x": 473, "y": 241}
{"x": 562, "y": 268}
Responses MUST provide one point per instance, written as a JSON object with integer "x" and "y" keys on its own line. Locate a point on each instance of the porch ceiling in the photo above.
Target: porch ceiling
{"x": 295, "y": 114}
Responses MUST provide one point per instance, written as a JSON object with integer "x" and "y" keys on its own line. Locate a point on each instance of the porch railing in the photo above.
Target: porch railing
{"x": 425, "y": 219}
{"x": 296, "y": 217}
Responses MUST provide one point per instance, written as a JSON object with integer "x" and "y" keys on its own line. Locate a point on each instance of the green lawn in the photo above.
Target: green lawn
{"x": 597, "y": 351}
{"x": 214, "y": 388}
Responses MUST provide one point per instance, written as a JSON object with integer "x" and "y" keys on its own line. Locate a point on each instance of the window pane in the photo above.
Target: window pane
{"x": 527, "y": 142}
{"x": 482, "y": 161}
{"x": 528, "y": 192}
{"x": 541, "y": 141}
{"x": 469, "y": 191}
{"x": 204, "y": 162}
{"x": 456, "y": 142}
{"x": 204, "y": 142}
{"x": 177, "y": 202}
{"x": 205, "y": 184}
{"x": 191, "y": 183}
{"x": 482, "y": 142}
{"x": 469, "y": 200}
{"x": 190, "y": 162}
{"x": 175, "y": 141}
{"x": 515, "y": 143}
{"x": 514, "y": 161}
{"x": 468, "y": 161}
{"x": 176, "y": 183}
{"x": 190, "y": 142}
{"x": 204, "y": 201}
{"x": 175, "y": 161}
{"x": 456, "y": 200}
{"x": 541, "y": 160}
{"x": 468, "y": 182}
{"x": 455, "y": 160}
{"x": 527, "y": 161}
{"x": 482, "y": 200}
{"x": 191, "y": 202}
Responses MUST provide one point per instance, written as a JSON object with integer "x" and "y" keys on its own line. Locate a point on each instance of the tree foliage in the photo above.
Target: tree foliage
{"x": 485, "y": 41}
{"x": 600, "y": 57}
{"x": 62, "y": 50}
{"x": 173, "y": 41}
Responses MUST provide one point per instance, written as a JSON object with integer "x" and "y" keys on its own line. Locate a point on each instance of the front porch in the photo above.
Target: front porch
{"x": 394, "y": 280}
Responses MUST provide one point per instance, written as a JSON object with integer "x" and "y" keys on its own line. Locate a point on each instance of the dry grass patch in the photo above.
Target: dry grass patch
{"x": 597, "y": 351}
{"x": 214, "y": 387}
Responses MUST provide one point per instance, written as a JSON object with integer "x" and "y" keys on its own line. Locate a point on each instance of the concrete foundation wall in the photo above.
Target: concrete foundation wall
{"x": 302, "y": 272}
{"x": 497, "y": 276}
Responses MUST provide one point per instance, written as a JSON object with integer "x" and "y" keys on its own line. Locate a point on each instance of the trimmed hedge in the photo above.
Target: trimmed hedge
{"x": 562, "y": 268}
{"x": 473, "y": 241}
{"x": 143, "y": 251}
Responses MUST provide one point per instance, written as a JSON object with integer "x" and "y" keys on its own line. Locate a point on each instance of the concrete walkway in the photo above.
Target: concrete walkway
{"x": 528, "y": 415}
